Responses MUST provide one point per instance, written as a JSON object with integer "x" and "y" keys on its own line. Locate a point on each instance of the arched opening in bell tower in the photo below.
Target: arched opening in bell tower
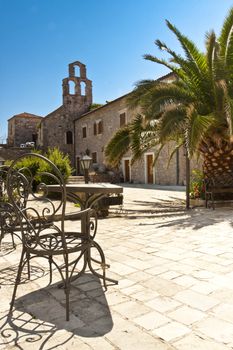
{"x": 76, "y": 71}
{"x": 71, "y": 87}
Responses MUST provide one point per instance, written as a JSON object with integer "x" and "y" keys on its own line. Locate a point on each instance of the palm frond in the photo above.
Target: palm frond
{"x": 118, "y": 146}
{"x": 191, "y": 51}
{"x": 165, "y": 93}
{"x": 186, "y": 65}
{"x": 172, "y": 123}
{"x": 142, "y": 88}
{"x": 158, "y": 151}
{"x": 158, "y": 95}
{"x": 229, "y": 53}
{"x": 220, "y": 95}
{"x": 229, "y": 115}
{"x": 210, "y": 50}
{"x": 197, "y": 128}
{"x": 178, "y": 145}
{"x": 143, "y": 137}
{"x": 137, "y": 146}
{"x": 163, "y": 62}
{"x": 226, "y": 33}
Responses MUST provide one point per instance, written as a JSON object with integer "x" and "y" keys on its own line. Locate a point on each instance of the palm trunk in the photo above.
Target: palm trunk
{"x": 218, "y": 165}
{"x": 218, "y": 161}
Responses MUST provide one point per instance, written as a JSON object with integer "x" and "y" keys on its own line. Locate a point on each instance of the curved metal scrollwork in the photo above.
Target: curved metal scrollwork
{"x": 92, "y": 222}
{"x": 36, "y": 213}
{"x": 29, "y": 195}
{"x": 8, "y": 221}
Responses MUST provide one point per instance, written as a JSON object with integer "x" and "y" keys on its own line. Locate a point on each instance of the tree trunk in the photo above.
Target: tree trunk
{"x": 187, "y": 181}
{"x": 218, "y": 165}
{"x": 218, "y": 160}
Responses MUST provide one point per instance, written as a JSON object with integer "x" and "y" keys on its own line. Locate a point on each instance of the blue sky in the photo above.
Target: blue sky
{"x": 39, "y": 38}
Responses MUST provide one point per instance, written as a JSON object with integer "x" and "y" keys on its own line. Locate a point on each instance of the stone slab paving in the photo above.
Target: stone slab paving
{"x": 175, "y": 273}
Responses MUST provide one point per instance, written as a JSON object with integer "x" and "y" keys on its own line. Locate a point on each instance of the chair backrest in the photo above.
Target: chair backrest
{"x": 27, "y": 183}
{"x": 7, "y": 216}
{"x": 3, "y": 176}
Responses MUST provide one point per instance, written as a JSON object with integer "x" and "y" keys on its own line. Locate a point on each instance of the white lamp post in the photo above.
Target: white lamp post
{"x": 86, "y": 163}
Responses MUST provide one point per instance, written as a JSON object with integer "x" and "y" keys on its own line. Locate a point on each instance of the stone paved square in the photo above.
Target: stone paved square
{"x": 175, "y": 291}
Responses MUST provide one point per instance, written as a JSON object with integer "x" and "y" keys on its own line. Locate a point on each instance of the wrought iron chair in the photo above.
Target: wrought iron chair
{"x": 41, "y": 236}
{"x": 7, "y": 215}
{"x": 8, "y": 218}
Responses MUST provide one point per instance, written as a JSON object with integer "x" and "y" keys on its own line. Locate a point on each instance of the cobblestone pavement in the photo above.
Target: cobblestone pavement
{"x": 175, "y": 273}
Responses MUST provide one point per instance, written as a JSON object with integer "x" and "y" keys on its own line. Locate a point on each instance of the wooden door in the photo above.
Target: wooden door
{"x": 149, "y": 165}
{"x": 78, "y": 166}
{"x": 126, "y": 170}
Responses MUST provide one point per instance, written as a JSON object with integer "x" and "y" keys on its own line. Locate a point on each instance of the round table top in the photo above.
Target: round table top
{"x": 90, "y": 188}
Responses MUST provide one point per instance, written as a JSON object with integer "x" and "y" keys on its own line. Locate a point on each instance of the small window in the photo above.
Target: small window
{"x": 84, "y": 132}
{"x": 34, "y": 137}
{"x": 94, "y": 157}
{"x": 100, "y": 127}
{"x": 69, "y": 138}
{"x": 122, "y": 119}
{"x": 95, "y": 128}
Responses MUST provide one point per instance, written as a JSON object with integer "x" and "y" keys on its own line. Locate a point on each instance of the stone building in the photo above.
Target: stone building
{"x": 95, "y": 128}
{"x": 78, "y": 129}
{"x": 57, "y": 128}
{"x": 23, "y": 128}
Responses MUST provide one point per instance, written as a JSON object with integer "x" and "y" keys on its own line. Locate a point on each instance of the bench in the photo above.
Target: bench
{"x": 217, "y": 185}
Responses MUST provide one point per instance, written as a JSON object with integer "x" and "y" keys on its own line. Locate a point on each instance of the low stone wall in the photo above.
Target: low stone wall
{"x": 112, "y": 178}
{"x": 10, "y": 153}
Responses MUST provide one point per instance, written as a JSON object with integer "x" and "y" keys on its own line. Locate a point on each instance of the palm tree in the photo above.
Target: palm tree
{"x": 195, "y": 110}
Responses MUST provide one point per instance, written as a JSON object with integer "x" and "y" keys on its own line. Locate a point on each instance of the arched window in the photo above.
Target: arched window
{"x": 76, "y": 71}
{"x": 83, "y": 88}
{"x": 71, "y": 87}
{"x": 69, "y": 138}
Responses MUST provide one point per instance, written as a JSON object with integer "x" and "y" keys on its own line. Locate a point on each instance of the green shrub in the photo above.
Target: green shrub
{"x": 31, "y": 166}
{"x": 61, "y": 161}
{"x": 197, "y": 189}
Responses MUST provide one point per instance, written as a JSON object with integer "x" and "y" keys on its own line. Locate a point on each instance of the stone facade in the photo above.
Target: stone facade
{"x": 57, "y": 128}
{"x": 77, "y": 130}
{"x": 100, "y": 124}
{"x": 90, "y": 140}
{"x": 10, "y": 153}
{"x": 23, "y": 128}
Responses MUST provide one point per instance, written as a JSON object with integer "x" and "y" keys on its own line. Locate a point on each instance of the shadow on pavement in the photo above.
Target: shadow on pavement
{"x": 172, "y": 213}
{"x": 39, "y": 317}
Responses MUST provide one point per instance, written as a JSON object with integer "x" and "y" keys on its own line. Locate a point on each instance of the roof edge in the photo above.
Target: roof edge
{"x": 170, "y": 74}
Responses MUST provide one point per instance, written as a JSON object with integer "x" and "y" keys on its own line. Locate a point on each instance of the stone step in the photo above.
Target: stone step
{"x": 75, "y": 180}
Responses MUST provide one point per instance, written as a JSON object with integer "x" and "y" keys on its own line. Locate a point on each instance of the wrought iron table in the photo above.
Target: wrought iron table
{"x": 88, "y": 194}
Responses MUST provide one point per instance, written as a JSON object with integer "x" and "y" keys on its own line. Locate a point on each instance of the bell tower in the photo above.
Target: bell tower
{"x": 77, "y": 90}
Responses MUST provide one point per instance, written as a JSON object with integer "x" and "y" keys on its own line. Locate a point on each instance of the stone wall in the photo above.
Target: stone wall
{"x": 22, "y": 128}
{"x": 57, "y": 128}
{"x": 164, "y": 173}
{"x": 109, "y": 115}
{"x": 53, "y": 131}
{"x": 10, "y": 153}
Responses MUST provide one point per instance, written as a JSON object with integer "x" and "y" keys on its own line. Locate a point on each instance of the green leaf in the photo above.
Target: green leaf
{"x": 117, "y": 146}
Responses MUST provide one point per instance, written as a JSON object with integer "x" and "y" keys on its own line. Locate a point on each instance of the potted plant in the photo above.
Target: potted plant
{"x": 197, "y": 189}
